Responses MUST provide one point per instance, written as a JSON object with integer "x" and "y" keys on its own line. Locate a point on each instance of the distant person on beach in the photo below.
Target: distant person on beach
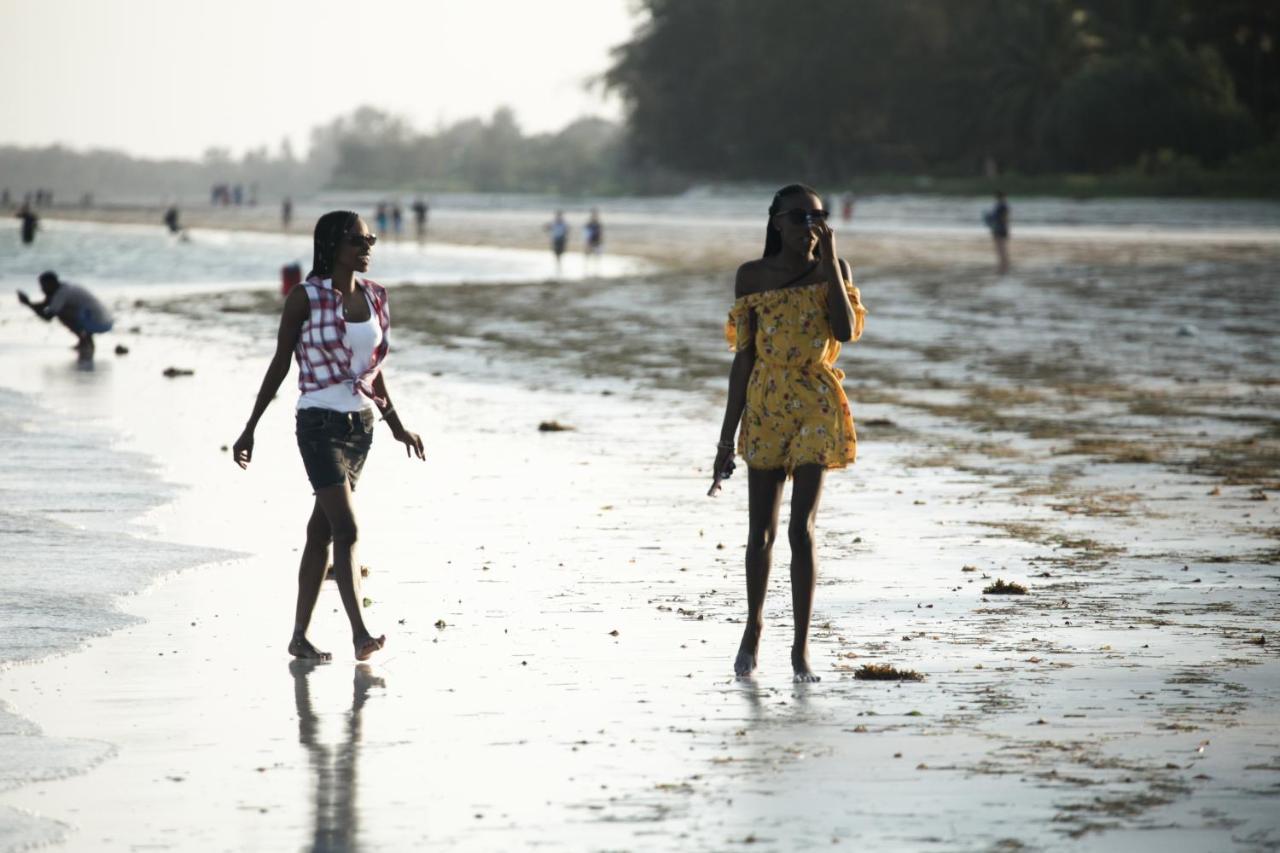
{"x": 420, "y": 211}
{"x": 286, "y": 213}
{"x": 559, "y": 230}
{"x": 171, "y": 220}
{"x": 593, "y": 239}
{"x": 29, "y": 223}
{"x": 380, "y": 216}
{"x": 793, "y": 307}
{"x": 76, "y": 308}
{"x": 336, "y": 326}
{"x": 397, "y": 220}
{"x": 846, "y": 208}
{"x": 997, "y": 220}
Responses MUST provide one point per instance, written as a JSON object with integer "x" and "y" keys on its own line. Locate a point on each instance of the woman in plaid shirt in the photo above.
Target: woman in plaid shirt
{"x": 335, "y": 325}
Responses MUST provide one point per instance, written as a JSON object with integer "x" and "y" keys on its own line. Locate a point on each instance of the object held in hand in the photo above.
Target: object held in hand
{"x": 723, "y": 474}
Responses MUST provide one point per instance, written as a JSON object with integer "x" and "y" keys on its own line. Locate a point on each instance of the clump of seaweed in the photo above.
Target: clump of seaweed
{"x": 1000, "y": 587}
{"x": 885, "y": 672}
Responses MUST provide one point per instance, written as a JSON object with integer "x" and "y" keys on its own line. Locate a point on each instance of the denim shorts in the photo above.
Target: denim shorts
{"x": 334, "y": 445}
{"x": 91, "y": 323}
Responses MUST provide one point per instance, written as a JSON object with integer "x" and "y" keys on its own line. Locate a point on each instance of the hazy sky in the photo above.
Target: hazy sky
{"x": 174, "y": 77}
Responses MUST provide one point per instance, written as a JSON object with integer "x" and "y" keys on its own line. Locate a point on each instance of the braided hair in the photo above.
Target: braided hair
{"x": 772, "y": 236}
{"x": 330, "y": 231}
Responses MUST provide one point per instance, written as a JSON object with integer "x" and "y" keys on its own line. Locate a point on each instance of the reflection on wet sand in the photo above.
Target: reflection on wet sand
{"x": 334, "y": 824}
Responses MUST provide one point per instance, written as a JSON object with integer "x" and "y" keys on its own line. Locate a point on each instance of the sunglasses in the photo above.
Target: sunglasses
{"x": 361, "y": 240}
{"x": 799, "y": 216}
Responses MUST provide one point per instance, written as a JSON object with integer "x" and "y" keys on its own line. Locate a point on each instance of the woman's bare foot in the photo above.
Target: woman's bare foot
{"x": 748, "y": 652}
{"x": 300, "y": 647}
{"x": 366, "y": 647}
{"x": 800, "y": 666}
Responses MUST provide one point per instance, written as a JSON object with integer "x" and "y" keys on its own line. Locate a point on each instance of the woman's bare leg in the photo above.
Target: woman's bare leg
{"x": 335, "y": 501}
{"x": 311, "y": 568}
{"x": 764, "y": 490}
{"x": 806, "y": 491}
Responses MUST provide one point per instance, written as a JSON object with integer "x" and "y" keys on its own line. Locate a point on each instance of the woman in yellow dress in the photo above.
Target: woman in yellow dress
{"x": 792, "y": 309}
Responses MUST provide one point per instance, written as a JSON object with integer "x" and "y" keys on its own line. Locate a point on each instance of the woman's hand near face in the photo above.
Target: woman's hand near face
{"x": 826, "y": 240}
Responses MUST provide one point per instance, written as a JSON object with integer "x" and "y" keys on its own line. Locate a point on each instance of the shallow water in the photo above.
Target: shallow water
{"x": 112, "y": 256}
{"x": 71, "y": 500}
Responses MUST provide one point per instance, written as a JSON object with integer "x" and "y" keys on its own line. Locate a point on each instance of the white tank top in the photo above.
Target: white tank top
{"x": 362, "y": 339}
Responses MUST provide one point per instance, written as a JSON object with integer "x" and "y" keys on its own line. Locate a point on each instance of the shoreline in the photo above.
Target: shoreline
{"x": 700, "y": 244}
{"x": 1150, "y": 661}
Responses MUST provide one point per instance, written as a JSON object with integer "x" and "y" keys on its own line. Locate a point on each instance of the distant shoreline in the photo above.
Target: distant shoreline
{"x": 684, "y": 243}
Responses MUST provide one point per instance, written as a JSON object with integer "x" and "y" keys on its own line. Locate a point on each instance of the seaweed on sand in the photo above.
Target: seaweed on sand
{"x": 885, "y": 672}
{"x": 1000, "y": 587}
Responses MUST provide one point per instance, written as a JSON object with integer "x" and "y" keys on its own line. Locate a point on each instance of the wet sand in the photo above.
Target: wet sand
{"x": 1059, "y": 428}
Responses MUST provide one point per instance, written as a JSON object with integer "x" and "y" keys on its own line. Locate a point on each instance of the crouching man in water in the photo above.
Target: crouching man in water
{"x": 78, "y": 309}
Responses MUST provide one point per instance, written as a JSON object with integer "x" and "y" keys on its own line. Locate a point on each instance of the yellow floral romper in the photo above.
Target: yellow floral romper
{"x": 797, "y": 412}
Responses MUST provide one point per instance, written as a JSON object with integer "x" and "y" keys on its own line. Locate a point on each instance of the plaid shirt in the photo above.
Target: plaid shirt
{"x": 322, "y": 353}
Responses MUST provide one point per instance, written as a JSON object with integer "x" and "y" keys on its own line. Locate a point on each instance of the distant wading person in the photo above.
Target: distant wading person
{"x": 336, "y": 326}
{"x": 29, "y": 223}
{"x": 997, "y": 219}
{"x": 792, "y": 309}
{"x": 559, "y": 231}
{"x": 593, "y": 240}
{"x": 420, "y": 210}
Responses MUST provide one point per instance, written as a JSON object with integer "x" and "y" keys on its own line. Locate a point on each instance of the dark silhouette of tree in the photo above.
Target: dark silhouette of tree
{"x": 756, "y": 89}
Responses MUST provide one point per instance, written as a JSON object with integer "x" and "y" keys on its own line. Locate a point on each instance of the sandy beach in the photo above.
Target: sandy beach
{"x": 562, "y": 608}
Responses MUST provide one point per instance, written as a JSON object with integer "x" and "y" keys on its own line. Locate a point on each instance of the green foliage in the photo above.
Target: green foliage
{"x": 828, "y": 89}
{"x": 116, "y": 175}
{"x": 760, "y": 90}
{"x": 1078, "y": 97}
{"x": 372, "y": 150}
{"x": 1120, "y": 109}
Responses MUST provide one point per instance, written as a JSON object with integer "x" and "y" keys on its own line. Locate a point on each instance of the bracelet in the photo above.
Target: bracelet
{"x": 386, "y": 413}
{"x": 724, "y": 445}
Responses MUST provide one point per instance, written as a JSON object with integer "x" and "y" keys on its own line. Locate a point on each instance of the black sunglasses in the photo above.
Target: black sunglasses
{"x": 800, "y": 216}
{"x": 359, "y": 240}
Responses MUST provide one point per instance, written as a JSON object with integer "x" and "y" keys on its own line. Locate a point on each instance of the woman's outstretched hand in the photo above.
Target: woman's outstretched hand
{"x": 412, "y": 443}
{"x": 242, "y": 451}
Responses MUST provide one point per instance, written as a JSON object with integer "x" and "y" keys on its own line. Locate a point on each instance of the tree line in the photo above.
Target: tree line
{"x": 752, "y": 89}
{"x": 368, "y": 149}
{"x": 374, "y": 149}
{"x": 832, "y": 90}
